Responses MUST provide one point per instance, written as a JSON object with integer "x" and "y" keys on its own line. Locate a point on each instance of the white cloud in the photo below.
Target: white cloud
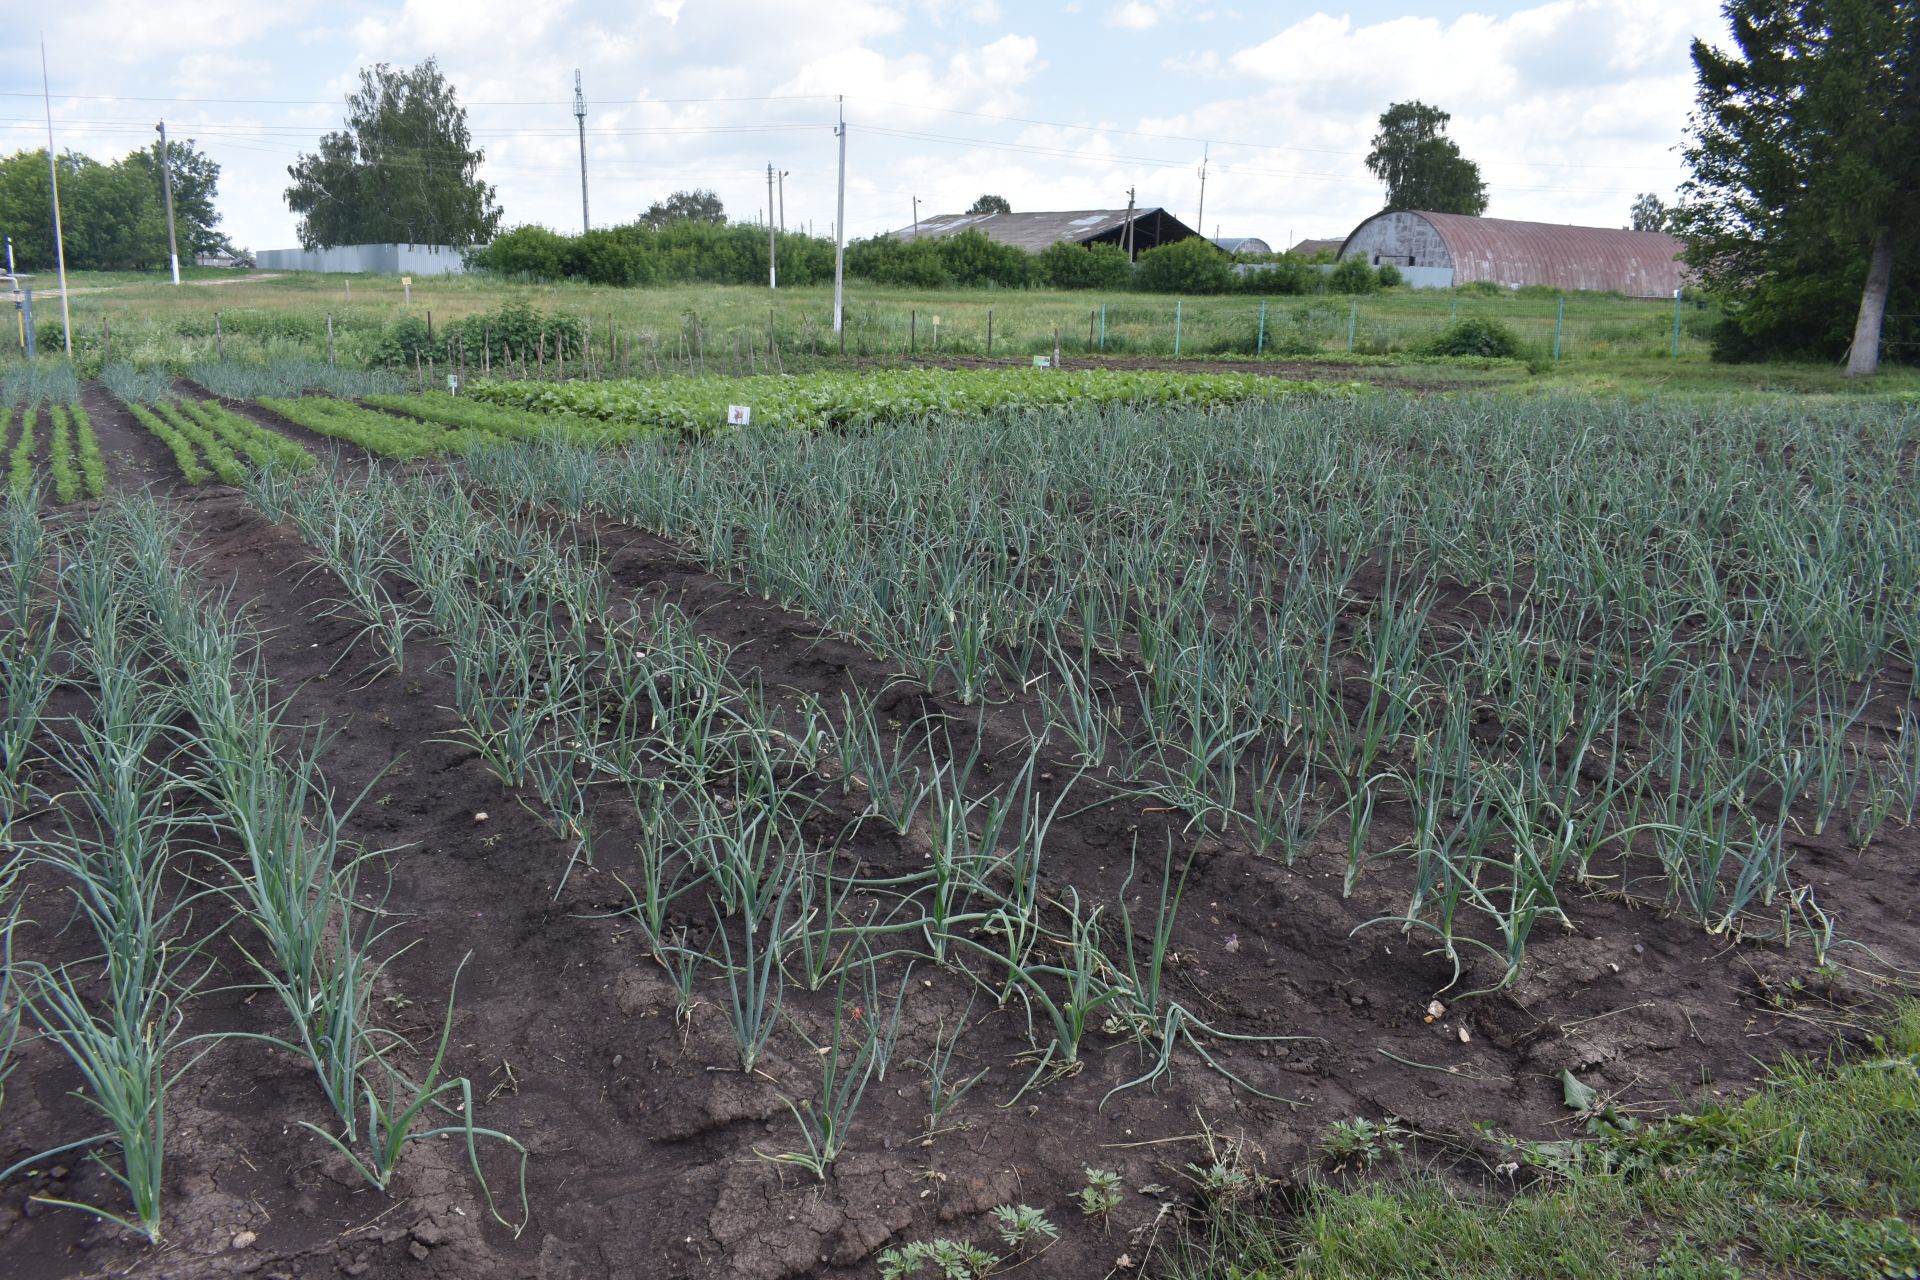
{"x": 1134, "y": 15}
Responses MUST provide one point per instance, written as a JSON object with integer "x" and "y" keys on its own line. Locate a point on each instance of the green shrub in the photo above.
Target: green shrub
{"x": 1352, "y": 275}
{"x": 1390, "y": 276}
{"x": 1065, "y": 265}
{"x": 1474, "y": 337}
{"x": 1282, "y": 277}
{"x": 1194, "y": 265}
{"x": 885, "y": 260}
{"x": 524, "y": 252}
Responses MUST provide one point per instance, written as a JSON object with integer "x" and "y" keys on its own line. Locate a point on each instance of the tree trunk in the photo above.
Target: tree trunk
{"x": 1865, "y": 359}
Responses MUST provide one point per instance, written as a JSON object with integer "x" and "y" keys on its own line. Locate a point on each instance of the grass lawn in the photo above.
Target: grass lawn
{"x": 1816, "y": 1175}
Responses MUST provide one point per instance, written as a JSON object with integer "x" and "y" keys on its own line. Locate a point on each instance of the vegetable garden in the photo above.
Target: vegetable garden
{"x": 963, "y": 822}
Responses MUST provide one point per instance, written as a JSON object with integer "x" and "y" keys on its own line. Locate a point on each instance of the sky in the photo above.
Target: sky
{"x": 1570, "y": 107}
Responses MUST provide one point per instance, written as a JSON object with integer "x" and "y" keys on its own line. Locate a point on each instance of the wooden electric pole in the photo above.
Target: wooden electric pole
{"x": 166, "y": 184}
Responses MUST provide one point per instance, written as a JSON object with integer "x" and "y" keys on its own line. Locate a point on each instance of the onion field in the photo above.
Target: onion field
{"x": 958, "y": 824}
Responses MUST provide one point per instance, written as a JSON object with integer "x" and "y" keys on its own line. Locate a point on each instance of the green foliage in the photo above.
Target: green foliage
{"x": 1813, "y": 1175}
{"x": 1650, "y": 212}
{"x": 177, "y": 443}
{"x": 403, "y": 170}
{"x": 698, "y": 406}
{"x": 93, "y": 468}
{"x": 698, "y": 205}
{"x": 1284, "y": 276}
{"x": 384, "y": 434}
{"x": 113, "y": 216}
{"x": 1193, "y": 265}
{"x": 991, "y": 204}
{"x": 20, "y": 458}
{"x": 973, "y": 258}
{"x": 1102, "y": 1195}
{"x": 1804, "y": 150}
{"x": 938, "y": 262}
{"x": 1066, "y": 265}
{"x": 1390, "y": 276}
{"x": 1422, "y": 167}
{"x": 677, "y": 251}
{"x": 66, "y": 482}
{"x": 1361, "y": 1143}
{"x": 886, "y": 260}
{"x": 1474, "y": 336}
{"x": 1352, "y": 275}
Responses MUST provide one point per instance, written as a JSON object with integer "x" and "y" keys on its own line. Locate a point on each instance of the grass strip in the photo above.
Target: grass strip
{"x": 1814, "y": 1175}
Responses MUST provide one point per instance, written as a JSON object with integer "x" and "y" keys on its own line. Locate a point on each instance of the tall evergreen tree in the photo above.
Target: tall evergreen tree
{"x": 1805, "y": 161}
{"x": 1421, "y": 166}
{"x": 403, "y": 170}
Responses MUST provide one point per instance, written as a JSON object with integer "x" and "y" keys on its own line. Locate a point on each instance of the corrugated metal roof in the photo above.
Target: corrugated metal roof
{"x": 1030, "y": 231}
{"x": 1308, "y": 248}
{"x": 1638, "y": 263}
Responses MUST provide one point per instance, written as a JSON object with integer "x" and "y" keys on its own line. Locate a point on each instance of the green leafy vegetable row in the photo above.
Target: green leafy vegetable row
{"x": 821, "y": 400}
{"x": 379, "y": 433}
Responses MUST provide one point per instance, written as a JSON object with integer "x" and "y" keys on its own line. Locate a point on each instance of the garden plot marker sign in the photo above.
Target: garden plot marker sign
{"x": 739, "y": 415}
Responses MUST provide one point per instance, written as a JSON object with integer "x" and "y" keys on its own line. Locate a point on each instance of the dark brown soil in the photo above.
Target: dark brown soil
{"x": 135, "y": 459}
{"x": 647, "y": 1147}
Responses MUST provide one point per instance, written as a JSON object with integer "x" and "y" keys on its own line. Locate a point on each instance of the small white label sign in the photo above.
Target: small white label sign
{"x": 1043, "y": 362}
{"x": 739, "y": 415}
{"x": 453, "y": 382}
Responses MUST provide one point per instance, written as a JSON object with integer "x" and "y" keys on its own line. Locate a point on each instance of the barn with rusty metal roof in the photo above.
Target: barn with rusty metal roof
{"x": 1035, "y": 231}
{"x": 1438, "y": 250}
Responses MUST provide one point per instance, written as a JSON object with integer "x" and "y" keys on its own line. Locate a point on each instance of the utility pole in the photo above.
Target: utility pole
{"x": 1200, "y": 219}
{"x": 840, "y": 220}
{"x": 783, "y": 200}
{"x": 773, "y": 245}
{"x": 1130, "y": 254}
{"x": 580, "y": 116}
{"x": 166, "y": 183}
{"x": 916, "y": 217}
{"x": 53, "y": 172}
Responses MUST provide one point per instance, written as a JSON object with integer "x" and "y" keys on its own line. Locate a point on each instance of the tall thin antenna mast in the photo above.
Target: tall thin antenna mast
{"x": 840, "y": 221}
{"x": 580, "y": 115}
{"x": 166, "y": 184}
{"x": 1200, "y": 220}
{"x": 53, "y": 170}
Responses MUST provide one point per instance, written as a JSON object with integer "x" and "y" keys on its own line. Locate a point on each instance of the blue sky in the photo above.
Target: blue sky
{"x": 1571, "y": 106}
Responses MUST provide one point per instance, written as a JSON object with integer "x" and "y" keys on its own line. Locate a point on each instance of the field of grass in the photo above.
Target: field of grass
{"x": 286, "y": 316}
{"x": 1004, "y": 821}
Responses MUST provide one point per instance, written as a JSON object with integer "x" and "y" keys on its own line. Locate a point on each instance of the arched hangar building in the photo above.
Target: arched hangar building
{"x": 1438, "y": 250}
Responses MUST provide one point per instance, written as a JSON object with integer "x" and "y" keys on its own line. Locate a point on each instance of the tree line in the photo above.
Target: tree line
{"x": 113, "y": 216}
{"x": 662, "y": 249}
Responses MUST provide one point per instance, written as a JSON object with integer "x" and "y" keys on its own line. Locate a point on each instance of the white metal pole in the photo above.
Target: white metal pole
{"x": 840, "y": 224}
{"x": 53, "y": 167}
{"x": 773, "y": 245}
